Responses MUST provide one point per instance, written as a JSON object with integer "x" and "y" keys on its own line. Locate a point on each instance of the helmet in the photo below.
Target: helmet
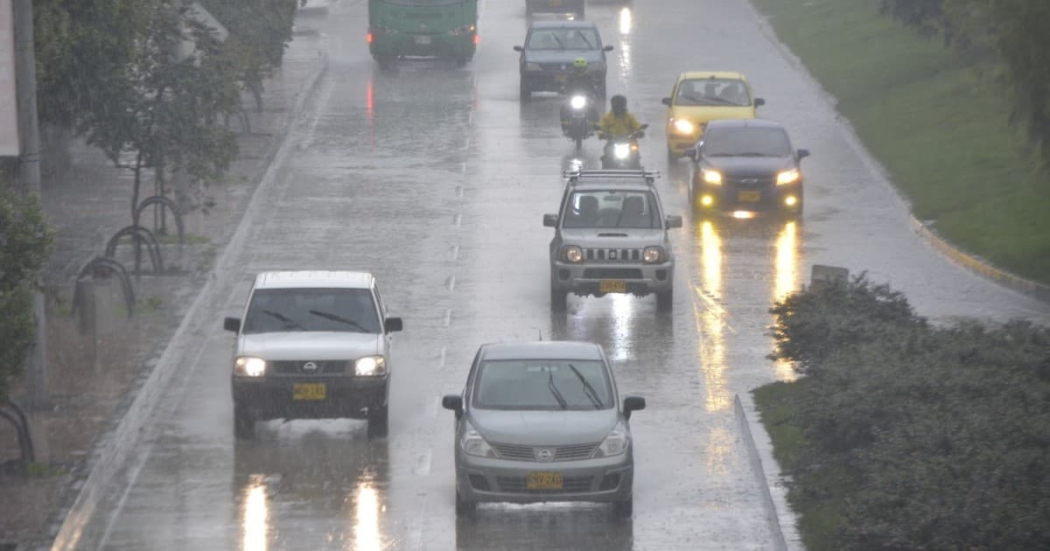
{"x": 579, "y": 63}
{"x": 619, "y": 104}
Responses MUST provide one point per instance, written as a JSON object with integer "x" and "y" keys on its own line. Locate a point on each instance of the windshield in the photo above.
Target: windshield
{"x": 746, "y": 142}
{"x": 542, "y": 385}
{"x": 713, "y": 91}
{"x": 562, "y": 39}
{"x": 611, "y": 209}
{"x": 281, "y": 310}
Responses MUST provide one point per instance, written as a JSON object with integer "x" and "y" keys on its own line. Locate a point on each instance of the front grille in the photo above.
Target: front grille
{"x": 573, "y": 452}
{"x": 750, "y": 182}
{"x": 612, "y": 273}
{"x": 612, "y": 255}
{"x": 479, "y": 483}
{"x": 570, "y": 485}
{"x": 324, "y": 367}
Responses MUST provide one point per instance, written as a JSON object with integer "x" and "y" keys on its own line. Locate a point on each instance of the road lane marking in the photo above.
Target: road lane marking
{"x": 448, "y": 317}
{"x": 441, "y": 361}
{"x": 422, "y": 467}
{"x": 458, "y": 220}
{"x": 455, "y": 252}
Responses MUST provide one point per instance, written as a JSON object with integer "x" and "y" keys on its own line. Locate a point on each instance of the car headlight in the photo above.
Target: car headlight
{"x": 573, "y": 254}
{"x": 615, "y": 443}
{"x": 578, "y": 102}
{"x": 473, "y": 444}
{"x": 247, "y": 366}
{"x": 621, "y": 150}
{"x": 682, "y": 126}
{"x": 788, "y": 176}
{"x": 370, "y": 366}
{"x": 533, "y": 67}
{"x": 712, "y": 176}
{"x": 652, "y": 255}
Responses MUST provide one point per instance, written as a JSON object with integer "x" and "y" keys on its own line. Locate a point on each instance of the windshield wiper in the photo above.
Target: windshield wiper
{"x": 339, "y": 319}
{"x": 588, "y": 389}
{"x": 756, "y": 154}
{"x": 282, "y": 318}
{"x": 561, "y": 46}
{"x": 554, "y": 391}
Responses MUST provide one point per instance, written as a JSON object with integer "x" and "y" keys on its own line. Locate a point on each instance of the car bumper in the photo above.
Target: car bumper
{"x": 730, "y": 197}
{"x": 482, "y": 479}
{"x": 274, "y": 397}
{"x": 586, "y": 279}
{"x": 678, "y": 143}
{"x": 550, "y": 81}
{"x": 437, "y": 45}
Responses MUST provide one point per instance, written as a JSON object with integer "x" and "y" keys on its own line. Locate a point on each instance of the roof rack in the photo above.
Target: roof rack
{"x": 575, "y": 176}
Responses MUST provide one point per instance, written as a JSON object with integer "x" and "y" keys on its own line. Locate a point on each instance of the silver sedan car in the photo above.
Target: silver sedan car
{"x": 542, "y": 421}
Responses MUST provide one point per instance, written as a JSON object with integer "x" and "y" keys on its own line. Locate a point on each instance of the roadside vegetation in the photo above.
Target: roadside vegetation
{"x": 951, "y": 97}
{"x": 903, "y": 435}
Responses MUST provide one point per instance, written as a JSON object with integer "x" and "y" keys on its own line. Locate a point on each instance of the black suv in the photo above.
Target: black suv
{"x": 549, "y": 51}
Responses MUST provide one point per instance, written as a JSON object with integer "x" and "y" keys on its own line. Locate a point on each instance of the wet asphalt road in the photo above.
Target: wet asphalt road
{"x": 435, "y": 178}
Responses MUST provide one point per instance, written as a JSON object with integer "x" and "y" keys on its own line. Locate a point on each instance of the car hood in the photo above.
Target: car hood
{"x": 749, "y": 166}
{"x": 544, "y": 428}
{"x": 612, "y": 238}
{"x": 708, "y": 113}
{"x": 562, "y": 56}
{"x": 311, "y": 345}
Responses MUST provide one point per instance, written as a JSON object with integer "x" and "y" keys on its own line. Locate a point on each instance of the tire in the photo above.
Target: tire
{"x": 559, "y": 300}
{"x": 523, "y": 91}
{"x": 625, "y": 508}
{"x": 665, "y": 301}
{"x": 378, "y": 421}
{"x": 465, "y": 508}
{"x": 243, "y": 424}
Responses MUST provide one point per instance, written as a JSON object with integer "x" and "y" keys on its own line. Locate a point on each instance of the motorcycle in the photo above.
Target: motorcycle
{"x": 579, "y": 114}
{"x": 622, "y": 151}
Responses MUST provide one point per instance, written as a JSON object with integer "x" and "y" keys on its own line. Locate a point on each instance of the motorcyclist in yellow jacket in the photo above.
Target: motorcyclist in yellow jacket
{"x": 619, "y": 121}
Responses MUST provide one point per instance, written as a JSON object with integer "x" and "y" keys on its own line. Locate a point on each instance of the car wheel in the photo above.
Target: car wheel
{"x": 625, "y": 508}
{"x": 378, "y": 421}
{"x": 523, "y": 91}
{"x": 559, "y": 299}
{"x": 465, "y": 508}
{"x": 665, "y": 301}
{"x": 243, "y": 424}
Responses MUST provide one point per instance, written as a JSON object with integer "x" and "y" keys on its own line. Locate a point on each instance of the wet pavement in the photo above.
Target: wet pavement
{"x": 435, "y": 178}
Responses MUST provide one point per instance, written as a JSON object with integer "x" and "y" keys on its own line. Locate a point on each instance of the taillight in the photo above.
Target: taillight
{"x": 368, "y": 37}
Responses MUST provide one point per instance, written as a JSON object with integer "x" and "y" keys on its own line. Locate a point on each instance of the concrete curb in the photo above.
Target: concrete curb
{"x": 774, "y": 497}
{"x": 111, "y": 450}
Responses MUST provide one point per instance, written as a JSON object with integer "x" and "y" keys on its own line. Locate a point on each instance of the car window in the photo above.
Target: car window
{"x": 746, "y": 142}
{"x": 340, "y": 310}
{"x": 542, "y": 385}
{"x": 563, "y": 39}
{"x": 713, "y": 91}
{"x": 611, "y": 209}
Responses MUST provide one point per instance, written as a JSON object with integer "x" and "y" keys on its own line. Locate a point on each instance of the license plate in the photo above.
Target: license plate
{"x": 561, "y": 78}
{"x": 555, "y": 3}
{"x": 612, "y": 286}
{"x": 423, "y": 40}
{"x": 544, "y": 481}
{"x": 309, "y": 391}
{"x": 749, "y": 196}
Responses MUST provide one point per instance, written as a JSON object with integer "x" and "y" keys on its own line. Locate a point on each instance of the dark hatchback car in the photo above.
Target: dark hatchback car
{"x": 549, "y": 51}
{"x": 747, "y": 164}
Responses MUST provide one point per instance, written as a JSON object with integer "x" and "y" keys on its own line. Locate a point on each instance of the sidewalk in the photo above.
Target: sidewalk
{"x": 94, "y": 374}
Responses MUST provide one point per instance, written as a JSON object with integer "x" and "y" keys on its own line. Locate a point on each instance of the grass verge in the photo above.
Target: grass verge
{"x": 940, "y": 129}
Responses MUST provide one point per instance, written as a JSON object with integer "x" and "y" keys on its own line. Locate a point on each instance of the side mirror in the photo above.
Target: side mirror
{"x": 803, "y": 153}
{"x": 608, "y": 48}
{"x": 550, "y": 220}
{"x": 454, "y": 402}
{"x": 519, "y": 49}
{"x": 759, "y": 102}
{"x": 666, "y": 101}
{"x": 674, "y": 221}
{"x": 393, "y": 324}
{"x": 631, "y": 403}
{"x": 232, "y": 324}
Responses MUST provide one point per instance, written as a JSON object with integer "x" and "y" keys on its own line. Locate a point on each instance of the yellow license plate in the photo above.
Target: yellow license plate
{"x": 309, "y": 391}
{"x": 749, "y": 196}
{"x": 544, "y": 481}
{"x": 612, "y": 286}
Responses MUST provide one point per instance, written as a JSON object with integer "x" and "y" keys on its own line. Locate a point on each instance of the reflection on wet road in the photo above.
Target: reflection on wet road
{"x": 435, "y": 178}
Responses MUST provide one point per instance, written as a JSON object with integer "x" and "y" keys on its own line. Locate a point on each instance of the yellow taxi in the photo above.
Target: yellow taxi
{"x": 700, "y": 97}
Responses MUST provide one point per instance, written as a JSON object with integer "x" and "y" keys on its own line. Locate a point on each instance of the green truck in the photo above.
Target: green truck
{"x": 445, "y": 29}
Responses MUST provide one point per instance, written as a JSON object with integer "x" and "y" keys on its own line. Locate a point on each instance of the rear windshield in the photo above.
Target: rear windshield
{"x": 713, "y": 91}
{"x": 611, "y": 209}
{"x": 282, "y": 310}
{"x": 746, "y": 142}
{"x": 542, "y": 385}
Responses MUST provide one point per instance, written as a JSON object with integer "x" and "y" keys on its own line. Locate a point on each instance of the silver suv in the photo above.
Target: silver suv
{"x": 611, "y": 237}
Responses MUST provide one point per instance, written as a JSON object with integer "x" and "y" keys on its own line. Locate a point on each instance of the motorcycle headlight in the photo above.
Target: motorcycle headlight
{"x": 615, "y": 443}
{"x": 370, "y": 366}
{"x": 578, "y": 102}
{"x": 652, "y": 255}
{"x": 622, "y": 150}
{"x": 532, "y": 67}
{"x": 788, "y": 176}
{"x": 683, "y": 126}
{"x": 247, "y": 366}
{"x": 712, "y": 176}
{"x": 473, "y": 444}
{"x": 573, "y": 254}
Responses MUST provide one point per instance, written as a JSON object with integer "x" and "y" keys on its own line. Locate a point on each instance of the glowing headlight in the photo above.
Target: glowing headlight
{"x": 246, "y": 366}
{"x": 683, "y": 126}
{"x": 788, "y": 177}
{"x": 712, "y": 176}
{"x": 370, "y": 366}
{"x": 578, "y": 102}
{"x": 573, "y": 253}
{"x": 621, "y": 150}
{"x": 652, "y": 255}
{"x": 615, "y": 443}
{"x": 473, "y": 444}
{"x": 532, "y": 66}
